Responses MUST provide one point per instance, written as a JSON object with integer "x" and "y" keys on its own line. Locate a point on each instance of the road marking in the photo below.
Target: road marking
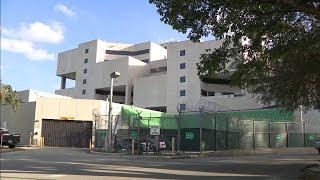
{"x": 57, "y": 175}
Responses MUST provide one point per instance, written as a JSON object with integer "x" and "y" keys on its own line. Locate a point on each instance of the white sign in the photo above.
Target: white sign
{"x": 155, "y": 130}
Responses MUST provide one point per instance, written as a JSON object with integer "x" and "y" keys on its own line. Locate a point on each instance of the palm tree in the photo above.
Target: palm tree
{"x": 9, "y": 97}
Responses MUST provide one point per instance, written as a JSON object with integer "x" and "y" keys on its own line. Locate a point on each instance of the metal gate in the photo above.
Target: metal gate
{"x": 66, "y": 133}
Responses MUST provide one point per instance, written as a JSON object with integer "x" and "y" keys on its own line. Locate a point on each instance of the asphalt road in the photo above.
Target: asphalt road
{"x": 64, "y": 163}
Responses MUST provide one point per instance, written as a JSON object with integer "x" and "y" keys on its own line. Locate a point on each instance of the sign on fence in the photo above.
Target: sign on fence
{"x": 190, "y": 135}
{"x": 312, "y": 137}
{"x": 155, "y": 130}
{"x": 133, "y": 133}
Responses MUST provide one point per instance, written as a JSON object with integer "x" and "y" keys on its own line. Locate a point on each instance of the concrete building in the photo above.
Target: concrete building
{"x": 154, "y": 76}
{"x": 61, "y": 120}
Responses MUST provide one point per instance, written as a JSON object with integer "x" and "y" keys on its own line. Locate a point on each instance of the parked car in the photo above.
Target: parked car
{"x": 7, "y": 139}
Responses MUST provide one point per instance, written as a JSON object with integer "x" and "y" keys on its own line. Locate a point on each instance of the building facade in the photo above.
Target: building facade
{"x": 60, "y": 120}
{"x": 154, "y": 76}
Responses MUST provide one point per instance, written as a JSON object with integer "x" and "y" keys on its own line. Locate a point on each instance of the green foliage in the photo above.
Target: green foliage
{"x": 9, "y": 97}
{"x": 272, "y": 47}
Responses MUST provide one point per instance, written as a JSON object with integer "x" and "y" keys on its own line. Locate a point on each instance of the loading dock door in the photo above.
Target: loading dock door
{"x": 66, "y": 133}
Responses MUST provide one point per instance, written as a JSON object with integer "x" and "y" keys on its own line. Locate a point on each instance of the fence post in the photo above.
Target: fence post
{"x": 132, "y": 146}
{"x": 304, "y": 134}
{"x": 238, "y": 133}
{"x": 227, "y": 132}
{"x": 129, "y": 135}
{"x": 173, "y": 145}
{"x": 269, "y": 134}
{"x": 253, "y": 135}
{"x": 138, "y": 146}
{"x": 201, "y": 114}
{"x": 95, "y": 130}
{"x": 215, "y": 131}
{"x": 30, "y": 139}
{"x": 287, "y": 131}
{"x": 1, "y": 139}
{"x": 179, "y": 132}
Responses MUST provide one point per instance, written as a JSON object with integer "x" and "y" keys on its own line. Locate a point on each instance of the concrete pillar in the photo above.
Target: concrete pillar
{"x": 63, "y": 83}
{"x": 128, "y": 98}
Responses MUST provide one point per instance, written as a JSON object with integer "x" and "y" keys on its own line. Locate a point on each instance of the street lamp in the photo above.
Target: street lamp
{"x": 112, "y": 76}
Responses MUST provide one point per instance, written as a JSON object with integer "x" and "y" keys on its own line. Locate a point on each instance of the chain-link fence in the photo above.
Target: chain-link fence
{"x": 211, "y": 131}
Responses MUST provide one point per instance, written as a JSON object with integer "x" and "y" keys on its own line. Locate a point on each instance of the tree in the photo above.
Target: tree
{"x": 9, "y": 97}
{"x": 272, "y": 47}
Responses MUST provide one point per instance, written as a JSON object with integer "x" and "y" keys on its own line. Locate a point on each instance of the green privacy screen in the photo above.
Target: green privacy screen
{"x": 192, "y": 119}
{"x": 250, "y": 129}
{"x": 270, "y": 115}
{"x": 148, "y": 118}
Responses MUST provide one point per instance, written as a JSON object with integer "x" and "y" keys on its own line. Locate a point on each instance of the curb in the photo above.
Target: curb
{"x": 7, "y": 150}
{"x": 312, "y": 171}
{"x": 105, "y": 153}
{"x": 213, "y": 153}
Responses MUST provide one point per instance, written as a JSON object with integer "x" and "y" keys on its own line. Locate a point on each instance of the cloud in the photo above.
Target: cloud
{"x": 64, "y": 9}
{"x": 26, "y": 48}
{"x": 36, "y": 32}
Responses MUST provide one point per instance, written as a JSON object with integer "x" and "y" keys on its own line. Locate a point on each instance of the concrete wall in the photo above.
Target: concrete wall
{"x": 219, "y": 88}
{"x": 67, "y": 61}
{"x": 132, "y": 68}
{"x": 28, "y": 118}
{"x": 192, "y": 84}
{"x": 157, "y": 52}
{"x": 20, "y": 122}
{"x": 75, "y": 109}
{"x": 235, "y": 103}
{"x": 70, "y": 92}
{"x": 311, "y": 118}
{"x": 150, "y": 91}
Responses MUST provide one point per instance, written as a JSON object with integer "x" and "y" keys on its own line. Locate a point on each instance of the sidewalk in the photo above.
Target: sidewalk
{"x": 5, "y": 149}
{"x": 183, "y": 155}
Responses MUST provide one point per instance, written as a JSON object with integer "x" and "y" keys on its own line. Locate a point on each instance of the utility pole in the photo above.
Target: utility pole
{"x": 112, "y": 76}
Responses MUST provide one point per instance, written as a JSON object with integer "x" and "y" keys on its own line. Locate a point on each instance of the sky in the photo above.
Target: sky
{"x": 33, "y": 32}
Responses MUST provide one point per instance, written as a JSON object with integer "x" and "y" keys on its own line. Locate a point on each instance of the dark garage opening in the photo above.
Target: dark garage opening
{"x": 66, "y": 133}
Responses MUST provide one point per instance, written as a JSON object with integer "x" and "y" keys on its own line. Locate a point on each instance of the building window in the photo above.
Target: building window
{"x": 204, "y": 93}
{"x": 182, "y": 79}
{"x": 86, "y": 50}
{"x": 85, "y": 61}
{"x": 211, "y": 93}
{"x": 182, "y": 65}
{"x": 84, "y": 92}
{"x": 128, "y": 53}
{"x": 182, "y": 107}
{"x": 85, "y": 71}
{"x": 226, "y": 93}
{"x": 146, "y": 61}
{"x": 84, "y": 81}
{"x": 182, "y": 92}
{"x": 182, "y": 52}
{"x": 159, "y": 69}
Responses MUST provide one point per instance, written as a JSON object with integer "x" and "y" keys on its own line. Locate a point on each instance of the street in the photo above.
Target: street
{"x": 68, "y": 163}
